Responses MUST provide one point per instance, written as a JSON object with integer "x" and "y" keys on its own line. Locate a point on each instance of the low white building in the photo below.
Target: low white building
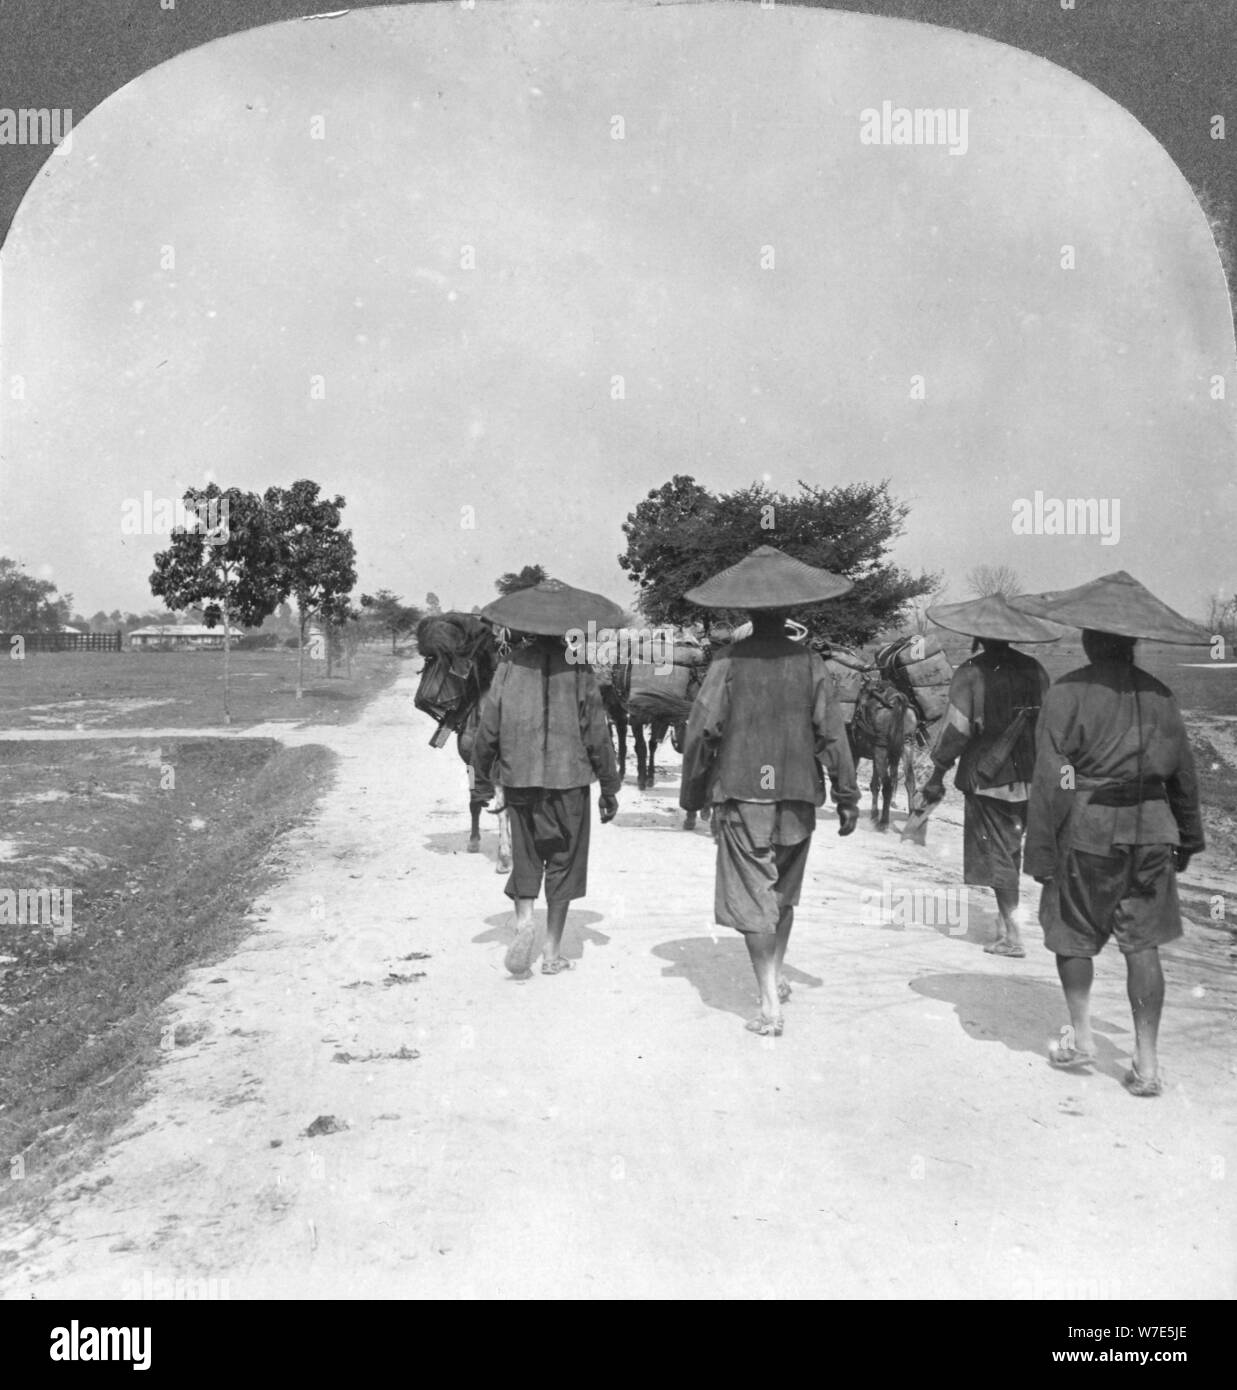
{"x": 174, "y": 637}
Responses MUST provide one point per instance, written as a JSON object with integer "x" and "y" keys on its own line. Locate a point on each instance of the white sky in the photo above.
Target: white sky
{"x": 491, "y": 388}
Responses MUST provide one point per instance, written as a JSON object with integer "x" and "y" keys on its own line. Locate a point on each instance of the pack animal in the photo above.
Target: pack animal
{"x": 883, "y": 729}
{"x": 461, "y": 656}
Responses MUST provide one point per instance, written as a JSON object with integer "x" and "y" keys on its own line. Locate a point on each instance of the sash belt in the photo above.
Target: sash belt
{"x": 1129, "y": 793}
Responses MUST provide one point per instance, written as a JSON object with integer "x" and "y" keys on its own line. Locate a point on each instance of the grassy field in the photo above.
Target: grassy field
{"x": 131, "y": 690}
{"x": 164, "y": 845}
{"x": 162, "y": 869}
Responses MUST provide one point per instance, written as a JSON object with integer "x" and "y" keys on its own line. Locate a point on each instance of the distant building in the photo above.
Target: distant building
{"x": 64, "y": 627}
{"x": 171, "y": 637}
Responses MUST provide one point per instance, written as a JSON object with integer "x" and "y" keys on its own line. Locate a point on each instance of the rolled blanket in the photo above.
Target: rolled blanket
{"x": 659, "y": 704}
{"x": 447, "y": 634}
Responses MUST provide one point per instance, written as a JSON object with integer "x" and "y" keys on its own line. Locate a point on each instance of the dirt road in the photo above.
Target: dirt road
{"x": 614, "y": 1130}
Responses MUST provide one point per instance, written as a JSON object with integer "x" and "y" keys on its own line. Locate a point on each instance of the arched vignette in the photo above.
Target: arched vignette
{"x": 1171, "y": 79}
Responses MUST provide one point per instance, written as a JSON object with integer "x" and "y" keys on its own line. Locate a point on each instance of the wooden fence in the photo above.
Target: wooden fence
{"x": 61, "y": 641}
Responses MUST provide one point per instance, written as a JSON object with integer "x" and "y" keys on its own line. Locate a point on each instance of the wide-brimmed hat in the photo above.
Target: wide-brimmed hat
{"x": 994, "y": 618}
{"x": 1119, "y": 604}
{"x": 551, "y": 609}
{"x": 768, "y": 578}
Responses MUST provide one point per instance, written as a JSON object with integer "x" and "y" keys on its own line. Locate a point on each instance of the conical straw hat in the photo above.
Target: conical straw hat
{"x": 1115, "y": 603}
{"x": 768, "y": 578}
{"x": 994, "y": 618}
{"x": 552, "y": 608}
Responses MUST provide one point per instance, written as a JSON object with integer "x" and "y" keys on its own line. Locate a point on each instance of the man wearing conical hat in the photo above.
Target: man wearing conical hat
{"x": 765, "y": 712}
{"x": 543, "y": 735}
{"x": 1114, "y": 813}
{"x": 989, "y": 730}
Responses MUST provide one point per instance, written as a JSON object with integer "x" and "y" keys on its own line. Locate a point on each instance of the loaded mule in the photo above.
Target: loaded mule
{"x": 461, "y": 655}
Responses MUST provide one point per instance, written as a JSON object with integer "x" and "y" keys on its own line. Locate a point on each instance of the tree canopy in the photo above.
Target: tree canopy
{"x": 681, "y": 534}
{"x": 28, "y": 604}
{"x": 511, "y": 582}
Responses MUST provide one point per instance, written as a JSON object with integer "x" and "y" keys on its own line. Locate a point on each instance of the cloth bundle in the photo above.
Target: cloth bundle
{"x": 919, "y": 667}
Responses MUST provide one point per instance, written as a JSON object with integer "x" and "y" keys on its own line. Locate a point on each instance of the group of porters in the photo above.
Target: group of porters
{"x": 1087, "y": 783}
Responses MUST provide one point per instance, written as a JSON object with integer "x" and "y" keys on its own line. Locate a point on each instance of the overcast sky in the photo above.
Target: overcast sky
{"x": 490, "y": 388}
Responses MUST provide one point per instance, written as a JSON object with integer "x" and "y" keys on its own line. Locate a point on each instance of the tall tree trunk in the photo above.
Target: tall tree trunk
{"x": 330, "y": 645}
{"x": 227, "y": 663}
{"x": 300, "y": 653}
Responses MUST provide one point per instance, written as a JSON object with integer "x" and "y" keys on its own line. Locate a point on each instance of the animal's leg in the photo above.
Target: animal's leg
{"x": 504, "y": 833}
{"x": 474, "y": 832}
{"x": 884, "y": 765}
{"x": 642, "y": 755}
{"x": 689, "y": 820}
{"x": 908, "y": 770}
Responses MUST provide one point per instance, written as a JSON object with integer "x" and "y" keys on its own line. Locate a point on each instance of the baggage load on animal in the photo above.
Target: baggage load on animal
{"x": 848, "y": 668}
{"x": 459, "y": 663}
{"x": 655, "y": 692}
{"x": 918, "y": 666}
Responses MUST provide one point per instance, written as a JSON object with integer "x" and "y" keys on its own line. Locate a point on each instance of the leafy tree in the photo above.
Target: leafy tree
{"x": 681, "y": 534}
{"x": 235, "y": 575}
{"x": 317, "y": 558}
{"x": 392, "y": 613}
{"x": 432, "y": 604}
{"x": 511, "y": 582}
{"x": 28, "y": 604}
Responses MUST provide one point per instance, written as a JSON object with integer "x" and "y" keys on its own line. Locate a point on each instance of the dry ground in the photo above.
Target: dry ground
{"x": 614, "y": 1130}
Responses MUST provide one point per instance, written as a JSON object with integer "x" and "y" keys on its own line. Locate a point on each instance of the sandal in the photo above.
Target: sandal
{"x": 519, "y": 957}
{"x": 1139, "y": 1085}
{"x": 766, "y": 1027}
{"x": 1003, "y": 948}
{"x": 556, "y": 966}
{"x": 1065, "y": 1056}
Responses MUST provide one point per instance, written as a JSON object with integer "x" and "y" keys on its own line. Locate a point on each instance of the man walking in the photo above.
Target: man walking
{"x": 989, "y": 730}
{"x": 543, "y": 735}
{"x": 765, "y": 713}
{"x": 1114, "y": 813}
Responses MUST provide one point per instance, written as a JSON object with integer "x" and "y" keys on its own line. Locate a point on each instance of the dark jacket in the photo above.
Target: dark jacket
{"x": 984, "y": 698}
{"x": 543, "y": 725}
{"x": 765, "y": 712}
{"x": 1104, "y": 731}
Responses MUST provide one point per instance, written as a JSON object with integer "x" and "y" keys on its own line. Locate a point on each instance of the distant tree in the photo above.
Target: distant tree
{"x": 511, "y": 583}
{"x": 432, "y": 604}
{"x": 235, "y": 576}
{"x": 99, "y": 622}
{"x": 346, "y": 630}
{"x": 682, "y": 534}
{"x": 986, "y": 580}
{"x": 392, "y": 613}
{"x": 919, "y": 606}
{"x": 28, "y": 604}
{"x": 317, "y": 559}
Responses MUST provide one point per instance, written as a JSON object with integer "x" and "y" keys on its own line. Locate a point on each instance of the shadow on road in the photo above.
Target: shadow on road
{"x": 720, "y": 971}
{"x": 579, "y": 930}
{"x": 1024, "y": 1015}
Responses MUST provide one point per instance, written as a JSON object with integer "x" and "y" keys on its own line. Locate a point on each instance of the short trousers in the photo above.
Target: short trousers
{"x": 549, "y": 835}
{"x": 1130, "y": 894}
{"x": 992, "y": 832}
{"x": 754, "y": 882}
